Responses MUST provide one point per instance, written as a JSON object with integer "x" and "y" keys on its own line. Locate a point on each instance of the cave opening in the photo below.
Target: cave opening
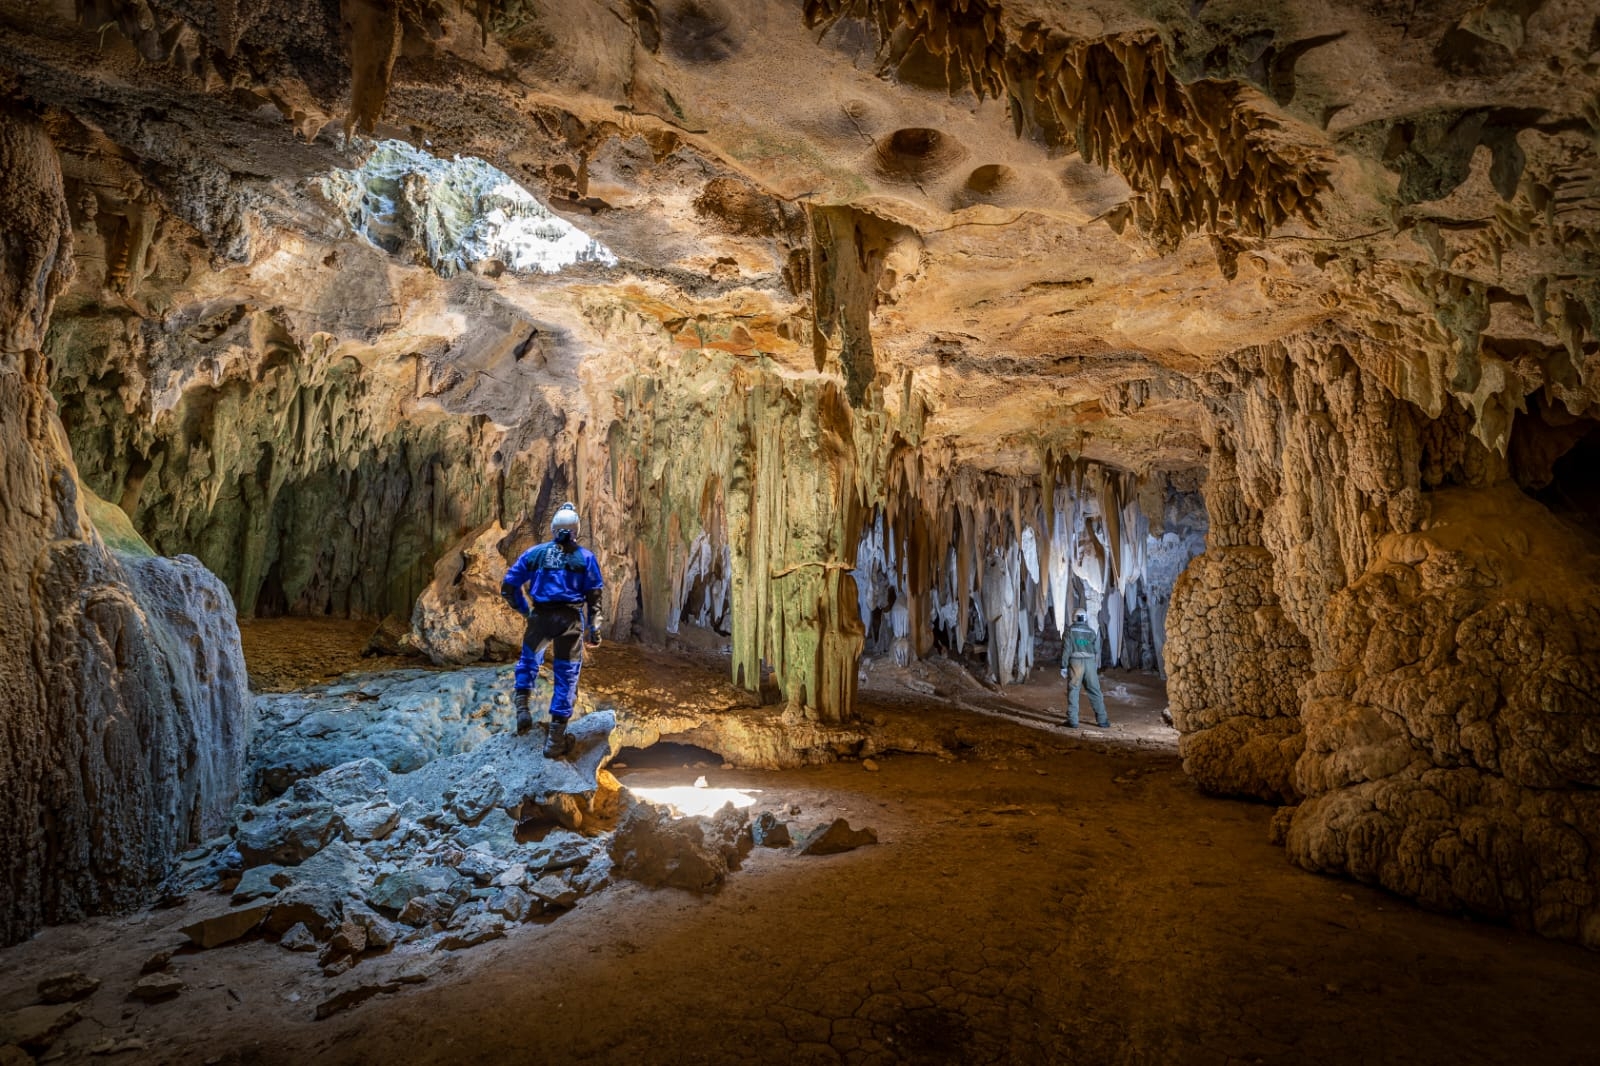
{"x": 667, "y": 754}
{"x": 1555, "y": 457}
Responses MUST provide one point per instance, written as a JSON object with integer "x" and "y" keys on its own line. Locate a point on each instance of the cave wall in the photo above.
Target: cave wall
{"x": 127, "y": 716}
{"x": 1388, "y": 634}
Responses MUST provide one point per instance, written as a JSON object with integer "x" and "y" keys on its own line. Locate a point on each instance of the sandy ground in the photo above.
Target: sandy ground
{"x": 282, "y": 654}
{"x": 1045, "y": 897}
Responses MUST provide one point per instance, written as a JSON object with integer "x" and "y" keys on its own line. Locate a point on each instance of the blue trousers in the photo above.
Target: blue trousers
{"x": 560, "y": 627}
{"x": 1085, "y": 674}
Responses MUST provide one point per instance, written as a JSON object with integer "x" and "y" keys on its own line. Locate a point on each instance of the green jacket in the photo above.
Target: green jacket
{"x": 1083, "y": 642}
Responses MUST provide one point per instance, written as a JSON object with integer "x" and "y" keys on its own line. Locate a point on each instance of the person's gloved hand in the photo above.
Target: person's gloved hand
{"x": 591, "y": 637}
{"x": 1063, "y": 671}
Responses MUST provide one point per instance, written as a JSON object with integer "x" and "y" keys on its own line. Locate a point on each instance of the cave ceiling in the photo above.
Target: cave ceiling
{"x": 1043, "y": 222}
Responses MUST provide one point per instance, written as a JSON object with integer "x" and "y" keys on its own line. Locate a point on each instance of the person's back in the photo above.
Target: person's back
{"x": 1080, "y": 661}
{"x": 564, "y": 585}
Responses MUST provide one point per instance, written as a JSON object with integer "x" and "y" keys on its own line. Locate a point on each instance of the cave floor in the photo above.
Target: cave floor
{"x": 1040, "y": 898}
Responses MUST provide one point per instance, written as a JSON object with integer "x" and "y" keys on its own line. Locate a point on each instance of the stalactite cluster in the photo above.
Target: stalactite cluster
{"x": 1199, "y": 157}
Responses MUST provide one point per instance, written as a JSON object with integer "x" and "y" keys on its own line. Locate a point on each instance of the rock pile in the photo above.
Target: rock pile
{"x": 450, "y": 831}
{"x": 356, "y": 858}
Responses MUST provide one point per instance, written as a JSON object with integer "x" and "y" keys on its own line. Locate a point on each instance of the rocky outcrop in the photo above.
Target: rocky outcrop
{"x": 460, "y": 617}
{"x": 127, "y": 713}
{"x": 1450, "y": 748}
{"x": 1410, "y": 650}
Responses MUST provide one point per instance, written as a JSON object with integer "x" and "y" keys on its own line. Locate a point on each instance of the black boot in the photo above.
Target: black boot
{"x": 557, "y": 745}
{"x": 519, "y": 700}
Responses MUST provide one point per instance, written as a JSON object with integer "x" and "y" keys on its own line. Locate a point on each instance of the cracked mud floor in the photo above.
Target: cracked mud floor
{"x": 1062, "y": 903}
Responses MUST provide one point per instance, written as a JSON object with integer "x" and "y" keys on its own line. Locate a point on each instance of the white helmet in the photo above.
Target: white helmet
{"x": 1080, "y": 617}
{"x": 565, "y": 520}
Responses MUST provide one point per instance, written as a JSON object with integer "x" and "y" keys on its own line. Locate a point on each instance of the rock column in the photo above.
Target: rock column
{"x": 126, "y": 713}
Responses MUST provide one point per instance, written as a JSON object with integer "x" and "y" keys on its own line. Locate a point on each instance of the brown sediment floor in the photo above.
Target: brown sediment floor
{"x": 282, "y": 654}
{"x": 1043, "y": 897}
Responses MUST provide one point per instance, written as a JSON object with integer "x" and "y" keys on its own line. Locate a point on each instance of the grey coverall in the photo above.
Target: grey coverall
{"x": 1080, "y": 660}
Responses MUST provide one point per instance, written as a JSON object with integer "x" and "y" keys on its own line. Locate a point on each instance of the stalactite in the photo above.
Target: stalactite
{"x": 1199, "y": 156}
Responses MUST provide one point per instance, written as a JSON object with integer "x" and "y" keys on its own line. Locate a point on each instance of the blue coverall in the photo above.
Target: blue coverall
{"x": 563, "y": 582}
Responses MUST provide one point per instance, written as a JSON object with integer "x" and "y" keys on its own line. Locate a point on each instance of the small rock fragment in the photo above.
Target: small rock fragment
{"x": 513, "y": 876}
{"x": 112, "y": 1046}
{"x": 416, "y": 970}
{"x": 157, "y": 986}
{"x": 869, "y": 765}
{"x": 158, "y": 962}
{"x": 346, "y": 998}
{"x": 381, "y": 933}
{"x": 337, "y": 966}
{"x": 66, "y": 987}
{"x": 350, "y": 938}
{"x": 298, "y": 938}
{"x": 768, "y": 832}
{"x": 837, "y": 837}
{"x": 512, "y": 904}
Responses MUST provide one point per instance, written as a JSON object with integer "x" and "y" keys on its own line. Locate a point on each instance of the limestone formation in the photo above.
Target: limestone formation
{"x": 126, "y": 704}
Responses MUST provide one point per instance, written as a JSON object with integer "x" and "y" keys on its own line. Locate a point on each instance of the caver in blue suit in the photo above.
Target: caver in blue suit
{"x": 562, "y": 605}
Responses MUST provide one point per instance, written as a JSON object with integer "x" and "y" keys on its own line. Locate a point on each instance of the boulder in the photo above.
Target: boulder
{"x": 285, "y": 833}
{"x": 358, "y": 781}
{"x": 403, "y": 719}
{"x": 479, "y": 865}
{"x": 768, "y": 832}
{"x": 428, "y": 909}
{"x": 527, "y": 782}
{"x": 393, "y": 891}
{"x": 226, "y": 927}
{"x": 476, "y": 797}
{"x": 298, "y": 938}
{"x": 512, "y": 904}
{"x": 258, "y": 882}
{"x": 337, "y": 866}
{"x": 316, "y": 906}
{"x": 36, "y": 1028}
{"x": 67, "y": 987}
{"x": 555, "y": 890}
{"x": 836, "y": 837}
{"x": 157, "y": 986}
{"x": 365, "y": 822}
{"x": 652, "y": 847}
{"x": 478, "y": 929}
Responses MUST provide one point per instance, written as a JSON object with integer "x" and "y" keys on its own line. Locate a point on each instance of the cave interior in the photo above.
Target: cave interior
{"x": 873, "y": 341}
